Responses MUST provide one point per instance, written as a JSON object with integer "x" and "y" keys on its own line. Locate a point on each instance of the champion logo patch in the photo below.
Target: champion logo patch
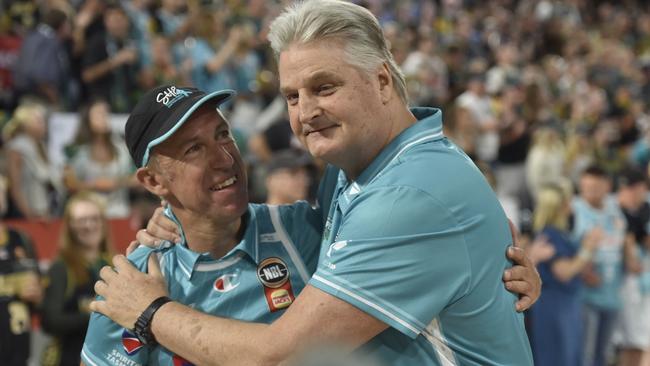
{"x": 131, "y": 343}
{"x": 227, "y": 282}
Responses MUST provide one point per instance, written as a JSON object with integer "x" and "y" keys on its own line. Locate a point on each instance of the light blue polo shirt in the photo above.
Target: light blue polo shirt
{"x": 279, "y": 242}
{"x": 419, "y": 242}
{"x": 608, "y": 257}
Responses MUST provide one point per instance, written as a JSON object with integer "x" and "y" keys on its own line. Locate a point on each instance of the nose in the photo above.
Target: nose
{"x": 221, "y": 158}
{"x": 309, "y": 108}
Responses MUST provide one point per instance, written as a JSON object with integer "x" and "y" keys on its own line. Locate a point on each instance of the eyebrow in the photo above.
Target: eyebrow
{"x": 318, "y": 75}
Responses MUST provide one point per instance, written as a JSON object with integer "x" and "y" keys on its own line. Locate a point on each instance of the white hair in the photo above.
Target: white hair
{"x": 314, "y": 20}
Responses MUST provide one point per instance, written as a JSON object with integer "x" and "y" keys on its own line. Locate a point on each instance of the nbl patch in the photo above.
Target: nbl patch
{"x": 273, "y": 273}
{"x": 131, "y": 343}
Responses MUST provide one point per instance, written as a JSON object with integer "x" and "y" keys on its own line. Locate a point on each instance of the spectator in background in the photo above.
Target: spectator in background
{"x": 208, "y": 53}
{"x": 109, "y": 62}
{"x": 545, "y": 161}
{"x": 244, "y": 68}
{"x": 33, "y": 184}
{"x": 288, "y": 177}
{"x": 514, "y": 138}
{"x": 98, "y": 161}
{"x": 162, "y": 70}
{"x": 144, "y": 26}
{"x": 633, "y": 333}
{"x": 476, "y": 100}
{"x": 603, "y": 276}
{"x": 20, "y": 290}
{"x": 580, "y": 152}
{"x": 557, "y": 317}
{"x": 173, "y": 18}
{"x": 426, "y": 73}
{"x": 84, "y": 249}
{"x": 42, "y": 66}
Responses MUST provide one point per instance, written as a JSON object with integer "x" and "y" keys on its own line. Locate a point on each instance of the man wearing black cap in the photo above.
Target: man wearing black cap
{"x": 235, "y": 260}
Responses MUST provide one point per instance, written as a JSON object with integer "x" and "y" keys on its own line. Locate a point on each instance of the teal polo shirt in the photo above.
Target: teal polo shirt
{"x": 419, "y": 242}
{"x": 608, "y": 256}
{"x": 256, "y": 281}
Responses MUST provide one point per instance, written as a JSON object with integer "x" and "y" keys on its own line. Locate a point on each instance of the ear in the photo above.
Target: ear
{"x": 151, "y": 180}
{"x": 385, "y": 83}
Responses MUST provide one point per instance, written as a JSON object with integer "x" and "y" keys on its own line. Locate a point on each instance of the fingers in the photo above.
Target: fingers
{"x": 522, "y": 288}
{"x": 162, "y": 228}
{"x": 143, "y": 237}
{"x": 516, "y": 273}
{"x": 132, "y": 246}
{"x": 524, "y": 303}
{"x": 107, "y": 273}
{"x": 123, "y": 265}
{"x": 518, "y": 256}
{"x": 514, "y": 233}
{"x": 153, "y": 266}
{"x": 100, "y": 288}
{"x": 98, "y": 306}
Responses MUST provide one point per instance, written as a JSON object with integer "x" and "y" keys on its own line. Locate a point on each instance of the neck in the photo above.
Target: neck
{"x": 206, "y": 236}
{"x": 91, "y": 254}
{"x": 597, "y": 205}
{"x": 101, "y": 139}
{"x": 399, "y": 118}
{"x": 274, "y": 200}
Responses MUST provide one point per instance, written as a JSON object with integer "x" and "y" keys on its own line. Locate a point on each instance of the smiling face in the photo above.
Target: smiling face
{"x": 200, "y": 170}
{"x": 335, "y": 109}
{"x": 87, "y": 224}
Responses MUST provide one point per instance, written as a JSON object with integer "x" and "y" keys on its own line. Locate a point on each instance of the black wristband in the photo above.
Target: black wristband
{"x": 142, "y": 327}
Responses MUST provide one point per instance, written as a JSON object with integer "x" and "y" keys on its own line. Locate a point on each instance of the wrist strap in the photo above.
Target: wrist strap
{"x": 142, "y": 326}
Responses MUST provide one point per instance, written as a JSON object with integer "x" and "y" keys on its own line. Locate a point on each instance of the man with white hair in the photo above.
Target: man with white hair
{"x": 412, "y": 254}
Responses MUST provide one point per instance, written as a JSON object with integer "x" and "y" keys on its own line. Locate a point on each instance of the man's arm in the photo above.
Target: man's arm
{"x": 522, "y": 279}
{"x": 208, "y": 340}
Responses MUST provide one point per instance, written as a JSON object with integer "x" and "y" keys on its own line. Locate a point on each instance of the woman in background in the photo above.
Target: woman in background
{"x": 556, "y": 318}
{"x": 33, "y": 184}
{"x": 85, "y": 248}
{"x": 98, "y": 161}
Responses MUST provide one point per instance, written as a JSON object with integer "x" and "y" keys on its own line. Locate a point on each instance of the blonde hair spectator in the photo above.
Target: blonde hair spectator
{"x": 545, "y": 161}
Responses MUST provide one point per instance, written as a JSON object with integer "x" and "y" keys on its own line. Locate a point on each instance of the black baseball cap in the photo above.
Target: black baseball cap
{"x": 160, "y": 113}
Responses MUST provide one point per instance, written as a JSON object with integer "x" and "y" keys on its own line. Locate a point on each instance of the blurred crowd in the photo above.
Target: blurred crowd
{"x": 550, "y": 98}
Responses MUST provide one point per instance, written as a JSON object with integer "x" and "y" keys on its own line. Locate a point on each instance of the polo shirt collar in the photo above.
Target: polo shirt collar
{"x": 190, "y": 260}
{"x": 427, "y": 128}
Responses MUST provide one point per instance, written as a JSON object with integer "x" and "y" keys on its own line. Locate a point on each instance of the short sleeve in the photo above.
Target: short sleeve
{"x": 400, "y": 256}
{"x": 107, "y": 343}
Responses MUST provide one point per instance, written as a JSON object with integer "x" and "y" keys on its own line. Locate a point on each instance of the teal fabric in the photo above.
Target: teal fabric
{"x": 608, "y": 258}
{"x": 291, "y": 233}
{"x": 418, "y": 241}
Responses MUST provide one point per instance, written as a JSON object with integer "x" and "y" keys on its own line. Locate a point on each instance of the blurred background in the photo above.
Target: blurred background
{"x": 550, "y": 98}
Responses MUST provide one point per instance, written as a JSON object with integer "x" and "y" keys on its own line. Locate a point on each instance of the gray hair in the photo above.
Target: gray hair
{"x": 314, "y": 20}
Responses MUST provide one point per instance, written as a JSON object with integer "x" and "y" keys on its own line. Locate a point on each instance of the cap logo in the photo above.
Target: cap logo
{"x": 171, "y": 95}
